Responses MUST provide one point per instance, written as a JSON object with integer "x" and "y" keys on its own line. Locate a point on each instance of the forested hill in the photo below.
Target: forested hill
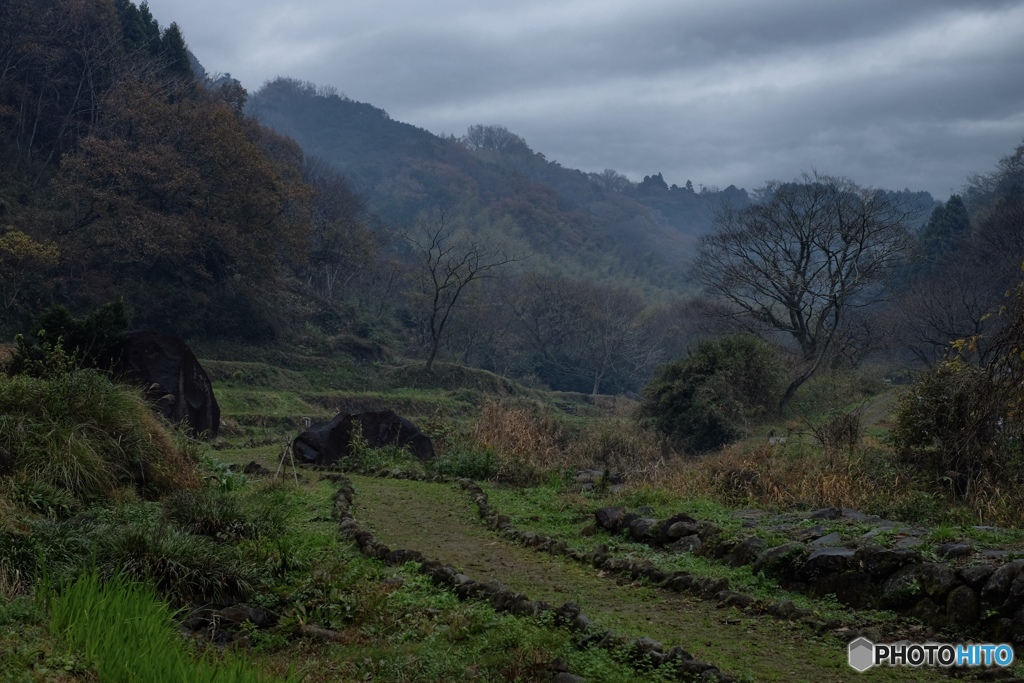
{"x": 586, "y": 224}
{"x": 127, "y": 175}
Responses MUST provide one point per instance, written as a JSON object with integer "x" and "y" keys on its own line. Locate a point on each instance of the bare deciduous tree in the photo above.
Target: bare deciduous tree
{"x": 802, "y": 259}
{"x": 451, "y": 261}
{"x": 955, "y": 303}
{"x": 341, "y": 246}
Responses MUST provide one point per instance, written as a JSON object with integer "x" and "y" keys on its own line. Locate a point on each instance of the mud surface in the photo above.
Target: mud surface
{"x": 439, "y": 521}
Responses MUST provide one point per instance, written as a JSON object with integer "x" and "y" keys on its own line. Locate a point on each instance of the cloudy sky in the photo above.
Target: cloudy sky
{"x": 891, "y": 93}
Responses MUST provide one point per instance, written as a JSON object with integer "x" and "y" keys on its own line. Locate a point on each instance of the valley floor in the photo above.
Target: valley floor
{"x": 439, "y": 521}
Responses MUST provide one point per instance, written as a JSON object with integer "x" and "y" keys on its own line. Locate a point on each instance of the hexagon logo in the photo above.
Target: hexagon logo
{"x": 861, "y": 654}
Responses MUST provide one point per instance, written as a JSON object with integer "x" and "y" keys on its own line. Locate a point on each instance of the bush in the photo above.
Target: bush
{"x": 463, "y": 460}
{"x": 183, "y": 567}
{"x": 955, "y": 422}
{"x": 210, "y": 512}
{"x": 705, "y": 400}
{"x": 966, "y": 420}
{"x": 89, "y": 342}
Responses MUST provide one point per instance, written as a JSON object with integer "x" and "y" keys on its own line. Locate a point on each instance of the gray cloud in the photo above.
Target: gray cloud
{"x": 917, "y": 93}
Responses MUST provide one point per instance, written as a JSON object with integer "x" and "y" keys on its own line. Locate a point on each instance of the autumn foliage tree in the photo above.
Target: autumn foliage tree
{"x": 964, "y": 419}
{"x": 22, "y": 259}
{"x": 175, "y": 199}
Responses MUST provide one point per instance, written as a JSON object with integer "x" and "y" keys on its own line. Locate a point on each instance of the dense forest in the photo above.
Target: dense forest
{"x": 297, "y": 216}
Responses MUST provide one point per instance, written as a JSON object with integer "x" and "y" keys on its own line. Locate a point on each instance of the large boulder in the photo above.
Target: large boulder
{"x": 328, "y": 442}
{"x": 173, "y": 379}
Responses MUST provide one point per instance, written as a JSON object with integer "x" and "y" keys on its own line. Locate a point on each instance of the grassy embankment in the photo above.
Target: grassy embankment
{"x": 88, "y": 551}
{"x": 206, "y": 537}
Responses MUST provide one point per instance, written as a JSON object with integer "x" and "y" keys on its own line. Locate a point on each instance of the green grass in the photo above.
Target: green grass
{"x": 551, "y": 511}
{"x": 127, "y": 634}
{"x": 78, "y": 431}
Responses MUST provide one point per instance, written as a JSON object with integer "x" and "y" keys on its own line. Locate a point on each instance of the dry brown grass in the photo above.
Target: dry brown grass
{"x": 833, "y": 465}
{"x": 526, "y": 440}
{"x": 779, "y": 477}
{"x": 530, "y": 442}
{"x": 869, "y": 478}
{"x": 622, "y": 446}
{"x": 11, "y": 583}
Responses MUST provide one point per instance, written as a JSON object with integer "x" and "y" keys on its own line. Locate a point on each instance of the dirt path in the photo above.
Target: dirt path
{"x": 439, "y": 521}
{"x": 877, "y": 411}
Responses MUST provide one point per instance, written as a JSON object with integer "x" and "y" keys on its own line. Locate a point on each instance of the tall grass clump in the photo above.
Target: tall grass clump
{"x": 529, "y": 444}
{"x": 77, "y": 430}
{"x": 128, "y": 634}
{"x": 624, "y": 447}
{"x": 182, "y": 566}
{"x": 867, "y": 478}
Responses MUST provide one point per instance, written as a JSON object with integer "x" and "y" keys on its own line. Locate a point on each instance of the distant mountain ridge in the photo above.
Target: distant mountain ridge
{"x": 589, "y": 223}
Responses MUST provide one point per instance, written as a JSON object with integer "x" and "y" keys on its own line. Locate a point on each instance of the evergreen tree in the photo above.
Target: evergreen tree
{"x": 176, "y": 53}
{"x": 948, "y": 225}
{"x": 139, "y": 30}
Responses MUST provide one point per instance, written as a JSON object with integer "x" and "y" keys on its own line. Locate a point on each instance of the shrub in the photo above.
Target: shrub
{"x": 955, "y": 422}
{"x": 704, "y": 400}
{"x": 88, "y": 342}
{"x": 184, "y": 567}
{"x": 464, "y": 460}
{"x": 966, "y": 420}
{"x": 56, "y": 547}
{"x": 210, "y": 512}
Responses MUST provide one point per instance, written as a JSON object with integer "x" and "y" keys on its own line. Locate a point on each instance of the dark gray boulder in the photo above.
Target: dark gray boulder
{"x": 610, "y": 518}
{"x": 963, "y": 608}
{"x": 998, "y": 586}
{"x": 826, "y": 560}
{"x": 929, "y": 613}
{"x": 902, "y": 588}
{"x": 936, "y": 579}
{"x": 976, "y": 575}
{"x": 951, "y": 551}
{"x": 641, "y": 529}
{"x": 826, "y": 513}
{"x": 745, "y": 552}
{"x": 172, "y": 377}
{"x": 328, "y": 442}
{"x": 879, "y": 561}
{"x": 782, "y": 559}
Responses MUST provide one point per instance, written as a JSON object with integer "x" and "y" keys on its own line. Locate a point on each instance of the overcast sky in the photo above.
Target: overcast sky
{"x": 891, "y": 93}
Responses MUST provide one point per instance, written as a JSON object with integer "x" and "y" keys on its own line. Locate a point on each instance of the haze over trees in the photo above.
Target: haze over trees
{"x": 290, "y": 217}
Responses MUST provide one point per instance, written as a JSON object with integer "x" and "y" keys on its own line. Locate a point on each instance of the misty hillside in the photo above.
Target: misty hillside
{"x": 594, "y": 223}
{"x": 298, "y": 217}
